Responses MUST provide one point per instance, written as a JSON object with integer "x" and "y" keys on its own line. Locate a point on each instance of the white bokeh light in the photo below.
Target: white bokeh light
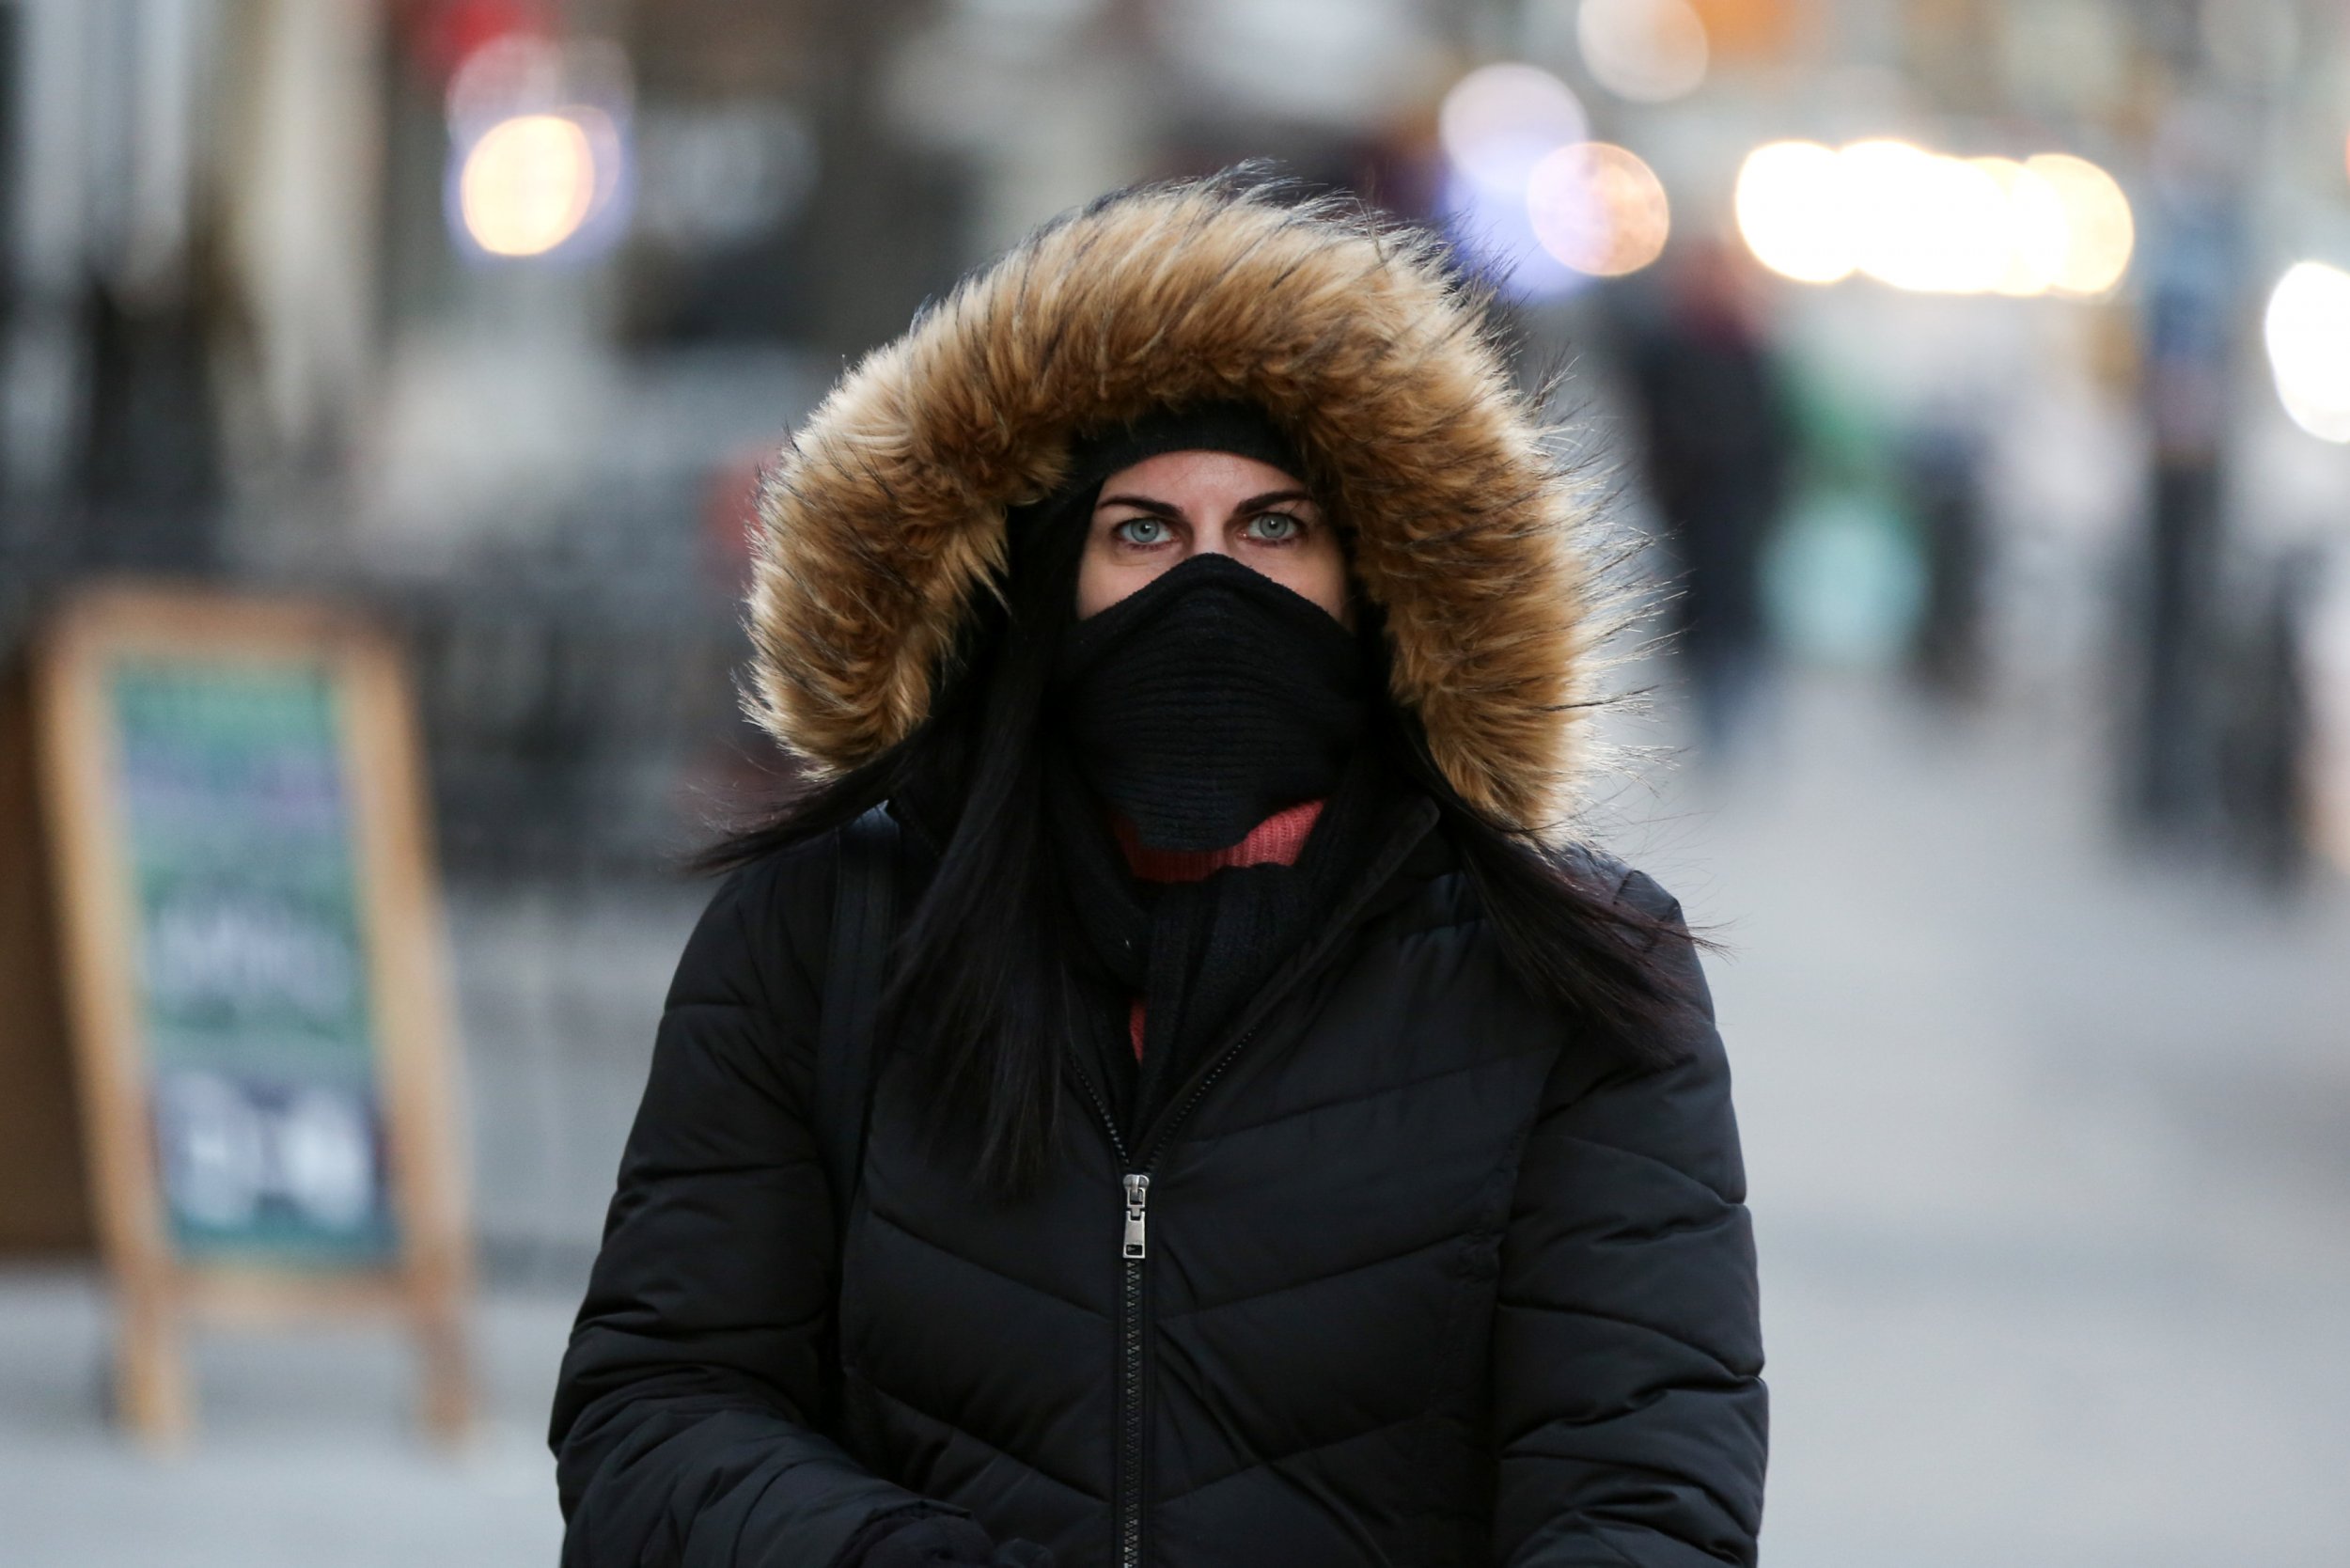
{"x": 2306, "y": 328}
{"x": 2036, "y": 233}
{"x": 1795, "y": 211}
{"x": 1934, "y": 225}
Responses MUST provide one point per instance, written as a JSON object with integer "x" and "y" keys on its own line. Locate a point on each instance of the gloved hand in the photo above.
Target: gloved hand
{"x": 918, "y": 1540}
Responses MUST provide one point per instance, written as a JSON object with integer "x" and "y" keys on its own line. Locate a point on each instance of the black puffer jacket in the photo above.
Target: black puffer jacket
{"x": 1428, "y": 1281}
{"x": 1428, "y": 1278}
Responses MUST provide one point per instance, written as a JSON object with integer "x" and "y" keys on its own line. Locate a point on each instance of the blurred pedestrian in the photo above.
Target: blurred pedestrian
{"x": 1940, "y": 468}
{"x": 1267, "y": 1139}
{"x": 1717, "y": 439}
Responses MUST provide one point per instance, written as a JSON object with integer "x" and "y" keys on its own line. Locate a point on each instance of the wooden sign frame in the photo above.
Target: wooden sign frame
{"x": 395, "y": 893}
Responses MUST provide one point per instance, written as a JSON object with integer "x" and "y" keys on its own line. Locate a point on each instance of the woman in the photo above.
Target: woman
{"x": 1280, "y": 1147}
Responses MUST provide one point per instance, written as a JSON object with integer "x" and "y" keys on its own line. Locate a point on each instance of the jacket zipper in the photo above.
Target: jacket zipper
{"x": 1135, "y": 1200}
{"x": 1134, "y": 1245}
{"x": 1130, "y": 1428}
{"x": 1133, "y": 1250}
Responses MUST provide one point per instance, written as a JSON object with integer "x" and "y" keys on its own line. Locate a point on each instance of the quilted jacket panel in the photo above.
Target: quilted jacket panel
{"x": 1430, "y": 1281}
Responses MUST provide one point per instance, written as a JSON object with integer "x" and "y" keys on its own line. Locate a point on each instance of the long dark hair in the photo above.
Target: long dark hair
{"x": 982, "y": 995}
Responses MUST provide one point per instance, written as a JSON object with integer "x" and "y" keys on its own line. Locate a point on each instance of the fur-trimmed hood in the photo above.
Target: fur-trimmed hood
{"x": 883, "y": 519}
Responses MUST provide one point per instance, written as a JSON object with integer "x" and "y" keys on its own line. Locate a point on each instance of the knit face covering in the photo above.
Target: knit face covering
{"x": 1207, "y": 700}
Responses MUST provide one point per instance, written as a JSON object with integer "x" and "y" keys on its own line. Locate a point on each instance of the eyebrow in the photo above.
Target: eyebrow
{"x": 1162, "y": 509}
{"x": 1141, "y": 503}
{"x": 1268, "y": 498}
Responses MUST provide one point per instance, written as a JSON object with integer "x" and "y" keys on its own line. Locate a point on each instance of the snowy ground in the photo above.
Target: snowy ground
{"x": 2050, "y": 1153}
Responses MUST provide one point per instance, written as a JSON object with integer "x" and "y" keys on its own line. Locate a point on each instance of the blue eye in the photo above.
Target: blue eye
{"x": 1141, "y": 530}
{"x": 1274, "y": 527}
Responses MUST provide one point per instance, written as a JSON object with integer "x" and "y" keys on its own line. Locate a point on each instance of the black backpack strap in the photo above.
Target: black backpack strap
{"x": 864, "y": 924}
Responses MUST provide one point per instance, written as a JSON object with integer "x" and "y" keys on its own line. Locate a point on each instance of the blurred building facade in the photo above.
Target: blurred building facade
{"x": 482, "y": 313}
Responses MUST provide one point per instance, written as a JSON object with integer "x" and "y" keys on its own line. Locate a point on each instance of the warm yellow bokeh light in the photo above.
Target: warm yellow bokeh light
{"x": 2308, "y": 333}
{"x": 1599, "y": 209}
{"x": 2098, "y": 229}
{"x": 1795, "y": 211}
{"x": 1925, "y": 221}
{"x": 2036, "y": 234}
{"x": 1932, "y": 224}
{"x": 527, "y": 185}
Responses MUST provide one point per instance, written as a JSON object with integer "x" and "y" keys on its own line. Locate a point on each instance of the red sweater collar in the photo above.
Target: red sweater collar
{"x": 1277, "y": 840}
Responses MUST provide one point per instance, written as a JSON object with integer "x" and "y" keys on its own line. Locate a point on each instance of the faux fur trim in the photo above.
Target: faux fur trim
{"x": 883, "y": 520}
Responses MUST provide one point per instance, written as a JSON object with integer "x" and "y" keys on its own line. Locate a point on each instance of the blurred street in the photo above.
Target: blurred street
{"x": 2085, "y": 1309}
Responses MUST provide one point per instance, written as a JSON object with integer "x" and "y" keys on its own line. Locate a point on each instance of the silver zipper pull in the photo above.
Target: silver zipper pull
{"x": 1138, "y": 1195}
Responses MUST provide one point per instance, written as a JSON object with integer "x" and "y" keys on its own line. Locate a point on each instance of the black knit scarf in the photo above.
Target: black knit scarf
{"x": 1195, "y": 709}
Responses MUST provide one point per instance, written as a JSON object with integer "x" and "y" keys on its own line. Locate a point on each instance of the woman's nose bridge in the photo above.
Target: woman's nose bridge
{"x": 1206, "y": 538}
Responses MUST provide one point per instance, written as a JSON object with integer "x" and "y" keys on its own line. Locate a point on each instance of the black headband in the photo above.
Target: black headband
{"x": 1241, "y": 429}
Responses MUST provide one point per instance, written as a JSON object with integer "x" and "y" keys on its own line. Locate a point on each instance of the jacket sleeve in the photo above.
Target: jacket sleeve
{"x": 685, "y": 1424}
{"x": 1630, "y": 1417}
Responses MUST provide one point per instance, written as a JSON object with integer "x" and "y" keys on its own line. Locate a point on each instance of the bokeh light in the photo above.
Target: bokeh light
{"x": 2036, "y": 232}
{"x": 527, "y": 185}
{"x": 1649, "y": 50}
{"x": 539, "y": 162}
{"x": 1499, "y": 121}
{"x": 2099, "y": 233}
{"x": 2308, "y": 333}
{"x": 1597, "y": 207}
{"x": 1795, "y": 211}
{"x": 1923, "y": 220}
{"x": 1932, "y": 225}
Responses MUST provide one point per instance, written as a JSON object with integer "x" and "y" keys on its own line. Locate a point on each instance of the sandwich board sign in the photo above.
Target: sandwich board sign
{"x": 251, "y": 947}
